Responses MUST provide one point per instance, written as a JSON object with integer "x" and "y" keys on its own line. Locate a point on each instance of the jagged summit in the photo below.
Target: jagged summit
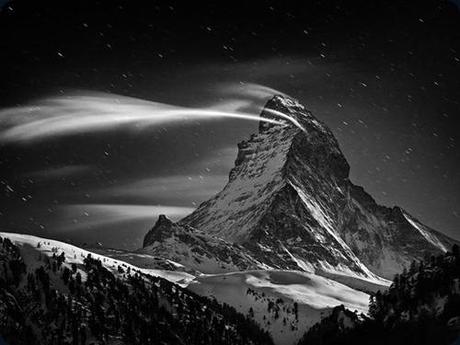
{"x": 278, "y": 105}
{"x": 163, "y": 219}
{"x": 160, "y": 230}
{"x": 268, "y": 163}
{"x": 290, "y": 204}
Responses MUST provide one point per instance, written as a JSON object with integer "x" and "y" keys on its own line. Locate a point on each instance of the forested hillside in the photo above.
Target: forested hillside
{"x": 52, "y": 302}
{"x": 422, "y": 306}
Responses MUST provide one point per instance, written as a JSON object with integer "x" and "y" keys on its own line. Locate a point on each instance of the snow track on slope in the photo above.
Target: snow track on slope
{"x": 428, "y": 235}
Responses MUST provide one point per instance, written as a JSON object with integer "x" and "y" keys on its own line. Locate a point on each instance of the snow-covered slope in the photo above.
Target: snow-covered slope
{"x": 289, "y": 202}
{"x": 55, "y": 293}
{"x": 33, "y": 245}
{"x": 285, "y": 303}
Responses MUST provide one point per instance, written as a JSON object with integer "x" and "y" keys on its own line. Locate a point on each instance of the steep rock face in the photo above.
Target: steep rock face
{"x": 267, "y": 164}
{"x": 160, "y": 232}
{"x": 289, "y": 202}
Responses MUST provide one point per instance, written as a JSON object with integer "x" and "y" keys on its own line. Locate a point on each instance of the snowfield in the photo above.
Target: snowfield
{"x": 315, "y": 297}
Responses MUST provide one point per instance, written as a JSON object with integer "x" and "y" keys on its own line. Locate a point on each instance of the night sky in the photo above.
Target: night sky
{"x": 99, "y": 127}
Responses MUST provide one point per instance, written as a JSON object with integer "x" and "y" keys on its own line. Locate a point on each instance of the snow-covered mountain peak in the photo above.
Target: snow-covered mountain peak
{"x": 289, "y": 202}
{"x": 266, "y": 164}
{"x": 311, "y": 140}
{"x": 282, "y": 108}
{"x": 292, "y": 113}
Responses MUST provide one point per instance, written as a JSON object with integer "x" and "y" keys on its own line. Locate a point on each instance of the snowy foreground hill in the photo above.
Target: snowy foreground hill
{"x": 54, "y": 293}
{"x": 289, "y": 238}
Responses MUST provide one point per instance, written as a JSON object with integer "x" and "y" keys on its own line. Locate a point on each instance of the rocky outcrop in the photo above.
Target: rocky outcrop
{"x": 195, "y": 250}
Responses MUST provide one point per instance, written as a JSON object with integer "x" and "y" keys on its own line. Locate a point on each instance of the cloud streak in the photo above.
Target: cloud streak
{"x": 90, "y": 112}
{"x": 87, "y": 216}
{"x": 249, "y": 90}
{"x": 180, "y": 188}
{"x": 60, "y": 171}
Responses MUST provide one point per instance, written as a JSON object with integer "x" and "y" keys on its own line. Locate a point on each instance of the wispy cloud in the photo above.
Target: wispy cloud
{"x": 184, "y": 189}
{"x": 89, "y": 112}
{"x": 86, "y": 216}
{"x": 60, "y": 171}
{"x": 205, "y": 178}
{"x": 249, "y": 91}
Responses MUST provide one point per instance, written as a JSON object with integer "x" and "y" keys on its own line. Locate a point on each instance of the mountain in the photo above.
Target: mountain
{"x": 422, "y": 306}
{"x": 290, "y": 225}
{"x": 54, "y": 293}
{"x": 289, "y": 204}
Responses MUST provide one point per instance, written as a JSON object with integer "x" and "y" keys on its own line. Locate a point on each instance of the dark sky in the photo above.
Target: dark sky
{"x": 383, "y": 75}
